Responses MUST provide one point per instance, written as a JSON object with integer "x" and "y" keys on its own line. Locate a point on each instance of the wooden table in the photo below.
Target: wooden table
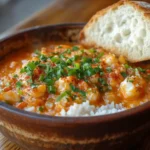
{"x": 59, "y": 11}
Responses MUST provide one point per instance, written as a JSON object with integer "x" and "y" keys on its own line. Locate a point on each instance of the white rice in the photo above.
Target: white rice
{"x": 85, "y": 109}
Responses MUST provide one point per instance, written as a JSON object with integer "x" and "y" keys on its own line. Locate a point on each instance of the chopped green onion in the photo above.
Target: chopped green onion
{"x": 74, "y": 58}
{"x": 141, "y": 69}
{"x": 30, "y": 80}
{"x": 129, "y": 80}
{"x": 102, "y": 81}
{"x": 100, "y": 54}
{"x": 7, "y": 84}
{"x": 55, "y": 59}
{"x": 62, "y": 56}
{"x": 15, "y": 76}
{"x": 86, "y": 60}
{"x": 29, "y": 68}
{"x": 41, "y": 108}
{"x": 77, "y": 66}
{"x": 108, "y": 69}
{"x": 59, "y": 46}
{"x": 90, "y": 72}
{"x": 69, "y": 61}
{"x": 19, "y": 84}
{"x": 127, "y": 66}
{"x": 71, "y": 71}
{"x": 68, "y": 51}
{"x": 33, "y": 85}
{"x": 62, "y": 95}
{"x": 148, "y": 77}
{"x": 43, "y": 57}
{"x": 75, "y": 48}
{"x": 19, "y": 92}
{"x": 86, "y": 66}
{"x": 51, "y": 89}
{"x": 49, "y": 81}
{"x": 37, "y": 52}
{"x": 75, "y": 89}
{"x": 47, "y": 69}
{"x": 92, "y": 50}
{"x": 96, "y": 60}
{"x": 124, "y": 74}
{"x": 101, "y": 73}
{"x": 41, "y": 78}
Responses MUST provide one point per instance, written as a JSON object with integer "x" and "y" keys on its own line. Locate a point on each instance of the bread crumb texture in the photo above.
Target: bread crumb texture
{"x": 123, "y": 28}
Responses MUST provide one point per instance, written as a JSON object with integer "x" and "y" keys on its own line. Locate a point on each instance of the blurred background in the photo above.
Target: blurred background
{"x": 20, "y": 14}
{"x": 14, "y": 11}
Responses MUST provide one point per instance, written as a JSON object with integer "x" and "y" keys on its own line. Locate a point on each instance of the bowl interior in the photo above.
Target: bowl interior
{"x": 40, "y": 36}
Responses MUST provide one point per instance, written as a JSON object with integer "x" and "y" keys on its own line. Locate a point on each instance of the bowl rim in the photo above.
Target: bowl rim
{"x": 66, "y": 119}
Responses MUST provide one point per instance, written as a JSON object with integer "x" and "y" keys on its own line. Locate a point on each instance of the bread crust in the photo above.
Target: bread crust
{"x": 144, "y": 7}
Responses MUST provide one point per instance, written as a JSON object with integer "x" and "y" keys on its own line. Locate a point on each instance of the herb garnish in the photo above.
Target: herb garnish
{"x": 75, "y": 89}
{"x": 15, "y": 76}
{"x": 51, "y": 89}
{"x": 127, "y": 66}
{"x": 108, "y": 69}
{"x": 75, "y": 48}
{"x": 41, "y": 108}
{"x": 51, "y": 68}
{"x": 141, "y": 69}
{"x": 33, "y": 85}
{"x": 124, "y": 74}
{"x": 29, "y": 68}
{"x": 62, "y": 95}
{"x": 19, "y": 85}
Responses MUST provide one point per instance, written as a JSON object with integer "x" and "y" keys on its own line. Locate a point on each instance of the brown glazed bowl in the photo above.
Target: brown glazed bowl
{"x": 125, "y": 130}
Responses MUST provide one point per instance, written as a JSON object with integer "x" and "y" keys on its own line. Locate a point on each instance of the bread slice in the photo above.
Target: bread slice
{"x": 123, "y": 29}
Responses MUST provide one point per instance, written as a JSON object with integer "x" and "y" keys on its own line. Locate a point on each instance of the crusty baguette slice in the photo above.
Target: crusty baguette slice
{"x": 123, "y": 29}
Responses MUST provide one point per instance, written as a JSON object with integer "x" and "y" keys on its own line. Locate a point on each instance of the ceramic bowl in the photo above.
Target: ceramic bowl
{"x": 124, "y": 130}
